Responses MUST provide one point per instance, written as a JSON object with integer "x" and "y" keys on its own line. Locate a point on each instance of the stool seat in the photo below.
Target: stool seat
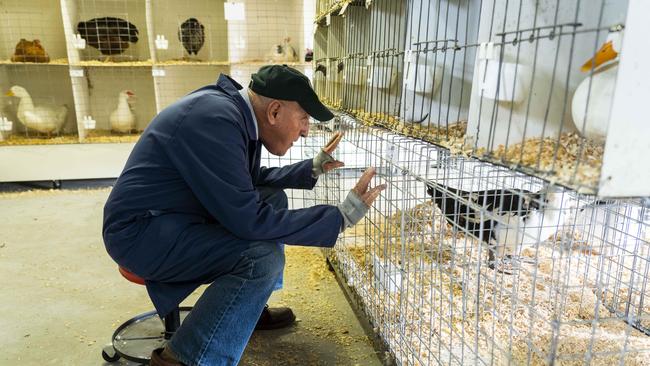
{"x": 131, "y": 276}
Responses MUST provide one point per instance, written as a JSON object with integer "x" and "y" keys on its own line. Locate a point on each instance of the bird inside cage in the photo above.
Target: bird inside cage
{"x": 592, "y": 100}
{"x": 30, "y": 51}
{"x": 109, "y": 35}
{"x": 42, "y": 118}
{"x": 6, "y": 127}
{"x": 283, "y": 52}
{"x": 123, "y": 119}
{"x": 191, "y": 33}
{"x": 504, "y": 219}
{"x": 321, "y": 68}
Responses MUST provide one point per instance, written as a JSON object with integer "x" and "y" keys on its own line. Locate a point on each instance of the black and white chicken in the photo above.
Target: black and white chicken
{"x": 191, "y": 33}
{"x": 504, "y": 219}
{"x": 111, "y": 36}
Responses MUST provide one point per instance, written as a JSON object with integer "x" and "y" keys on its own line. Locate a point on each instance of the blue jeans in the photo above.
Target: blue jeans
{"x": 219, "y": 326}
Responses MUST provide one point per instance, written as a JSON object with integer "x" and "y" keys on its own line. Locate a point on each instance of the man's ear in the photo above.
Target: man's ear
{"x": 272, "y": 111}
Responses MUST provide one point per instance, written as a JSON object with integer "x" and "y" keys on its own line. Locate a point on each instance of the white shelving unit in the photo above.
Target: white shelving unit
{"x": 156, "y": 68}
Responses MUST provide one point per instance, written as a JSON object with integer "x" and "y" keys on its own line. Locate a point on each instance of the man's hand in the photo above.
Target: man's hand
{"x": 368, "y": 196}
{"x": 324, "y": 162}
{"x": 359, "y": 199}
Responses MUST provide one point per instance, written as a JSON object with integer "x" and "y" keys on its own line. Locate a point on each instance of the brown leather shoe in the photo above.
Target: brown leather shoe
{"x": 275, "y": 318}
{"x": 157, "y": 360}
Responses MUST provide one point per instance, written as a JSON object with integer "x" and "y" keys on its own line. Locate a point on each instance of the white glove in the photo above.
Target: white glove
{"x": 353, "y": 210}
{"x": 319, "y": 163}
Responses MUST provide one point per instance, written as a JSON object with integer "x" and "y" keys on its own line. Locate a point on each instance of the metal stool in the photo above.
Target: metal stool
{"x": 136, "y": 338}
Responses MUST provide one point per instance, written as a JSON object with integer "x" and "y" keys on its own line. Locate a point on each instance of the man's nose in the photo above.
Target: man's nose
{"x": 305, "y": 130}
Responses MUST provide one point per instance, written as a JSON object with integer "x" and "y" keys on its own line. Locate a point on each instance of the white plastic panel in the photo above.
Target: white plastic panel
{"x": 626, "y": 163}
{"x": 61, "y": 162}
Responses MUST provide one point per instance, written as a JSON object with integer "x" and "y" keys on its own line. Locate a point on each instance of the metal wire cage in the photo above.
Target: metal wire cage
{"x": 572, "y": 290}
{"x": 475, "y": 253}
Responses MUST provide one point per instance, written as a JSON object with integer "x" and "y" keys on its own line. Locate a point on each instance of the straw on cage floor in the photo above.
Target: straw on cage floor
{"x": 443, "y": 305}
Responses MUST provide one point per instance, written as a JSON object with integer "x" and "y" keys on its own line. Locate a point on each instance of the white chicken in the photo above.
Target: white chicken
{"x": 592, "y": 101}
{"x": 122, "y": 119}
{"x": 45, "y": 119}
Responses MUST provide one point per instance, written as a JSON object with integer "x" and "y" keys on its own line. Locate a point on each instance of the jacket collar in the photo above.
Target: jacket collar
{"x": 232, "y": 88}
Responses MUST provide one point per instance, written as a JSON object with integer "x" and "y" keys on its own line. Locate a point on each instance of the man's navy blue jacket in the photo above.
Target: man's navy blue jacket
{"x": 188, "y": 187}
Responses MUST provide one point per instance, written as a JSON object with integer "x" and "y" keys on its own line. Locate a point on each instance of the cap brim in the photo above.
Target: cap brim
{"x": 316, "y": 109}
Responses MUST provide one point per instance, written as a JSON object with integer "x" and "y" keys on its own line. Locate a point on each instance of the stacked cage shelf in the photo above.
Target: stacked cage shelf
{"x": 506, "y": 83}
{"x": 98, "y": 71}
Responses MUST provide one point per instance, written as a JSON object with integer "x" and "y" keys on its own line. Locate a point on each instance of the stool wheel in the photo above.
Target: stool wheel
{"x": 109, "y": 354}
{"x": 136, "y": 338}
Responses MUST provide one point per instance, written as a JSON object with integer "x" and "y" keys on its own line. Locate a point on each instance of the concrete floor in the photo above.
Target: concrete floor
{"x": 62, "y": 296}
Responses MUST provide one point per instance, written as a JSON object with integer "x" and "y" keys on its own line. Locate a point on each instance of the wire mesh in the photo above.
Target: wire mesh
{"x": 40, "y": 105}
{"x": 33, "y": 108}
{"x": 271, "y": 31}
{"x": 112, "y": 30}
{"x": 197, "y": 33}
{"x": 30, "y": 33}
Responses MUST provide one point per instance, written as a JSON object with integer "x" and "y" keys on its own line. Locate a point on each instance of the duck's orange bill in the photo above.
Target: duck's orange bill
{"x": 604, "y": 54}
{"x": 9, "y": 93}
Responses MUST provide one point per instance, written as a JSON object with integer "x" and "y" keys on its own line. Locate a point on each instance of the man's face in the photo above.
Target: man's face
{"x": 288, "y": 123}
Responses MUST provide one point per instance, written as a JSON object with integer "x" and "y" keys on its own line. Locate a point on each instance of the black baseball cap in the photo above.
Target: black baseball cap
{"x": 286, "y": 83}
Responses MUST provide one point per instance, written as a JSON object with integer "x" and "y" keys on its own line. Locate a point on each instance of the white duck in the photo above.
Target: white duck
{"x": 122, "y": 119}
{"x": 45, "y": 119}
{"x": 591, "y": 116}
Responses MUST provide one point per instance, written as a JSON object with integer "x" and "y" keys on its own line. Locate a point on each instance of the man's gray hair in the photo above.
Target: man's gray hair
{"x": 260, "y": 99}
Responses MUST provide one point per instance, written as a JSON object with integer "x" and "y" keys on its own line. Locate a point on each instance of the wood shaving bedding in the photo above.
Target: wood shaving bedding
{"x": 144, "y": 63}
{"x": 485, "y": 313}
{"x": 572, "y": 160}
{"x": 16, "y": 139}
{"x": 95, "y": 136}
{"x": 56, "y": 61}
{"x": 578, "y": 161}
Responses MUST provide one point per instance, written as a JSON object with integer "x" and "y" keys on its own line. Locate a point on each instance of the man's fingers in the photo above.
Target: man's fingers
{"x": 362, "y": 184}
{"x": 332, "y": 165}
{"x": 333, "y": 143}
{"x": 328, "y": 147}
{"x": 372, "y": 194}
